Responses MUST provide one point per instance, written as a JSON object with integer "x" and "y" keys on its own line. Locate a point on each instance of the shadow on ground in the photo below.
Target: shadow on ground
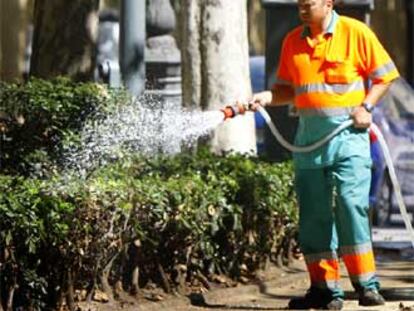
{"x": 199, "y": 301}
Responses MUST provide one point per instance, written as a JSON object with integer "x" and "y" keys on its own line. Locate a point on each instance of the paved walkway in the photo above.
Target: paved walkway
{"x": 278, "y": 286}
{"x": 395, "y": 270}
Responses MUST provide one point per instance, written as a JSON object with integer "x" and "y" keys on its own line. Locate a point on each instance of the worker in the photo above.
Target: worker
{"x": 324, "y": 69}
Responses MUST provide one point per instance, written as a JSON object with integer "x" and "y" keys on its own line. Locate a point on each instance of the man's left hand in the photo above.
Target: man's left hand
{"x": 362, "y": 118}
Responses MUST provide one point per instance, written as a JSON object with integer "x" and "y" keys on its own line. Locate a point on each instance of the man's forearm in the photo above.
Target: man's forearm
{"x": 376, "y": 92}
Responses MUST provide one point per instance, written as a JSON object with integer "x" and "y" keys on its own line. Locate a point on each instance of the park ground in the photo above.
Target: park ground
{"x": 273, "y": 288}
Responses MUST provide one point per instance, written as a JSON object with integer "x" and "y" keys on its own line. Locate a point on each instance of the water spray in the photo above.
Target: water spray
{"x": 239, "y": 109}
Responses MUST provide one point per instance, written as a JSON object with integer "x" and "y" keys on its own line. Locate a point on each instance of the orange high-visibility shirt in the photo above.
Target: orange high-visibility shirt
{"x": 330, "y": 77}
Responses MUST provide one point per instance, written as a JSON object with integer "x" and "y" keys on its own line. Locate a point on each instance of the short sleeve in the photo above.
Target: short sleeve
{"x": 283, "y": 75}
{"x": 377, "y": 64}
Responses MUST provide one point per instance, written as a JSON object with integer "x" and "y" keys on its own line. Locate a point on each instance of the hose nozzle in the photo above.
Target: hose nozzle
{"x": 235, "y": 110}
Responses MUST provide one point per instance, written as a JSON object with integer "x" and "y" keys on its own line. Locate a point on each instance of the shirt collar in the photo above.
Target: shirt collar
{"x": 331, "y": 27}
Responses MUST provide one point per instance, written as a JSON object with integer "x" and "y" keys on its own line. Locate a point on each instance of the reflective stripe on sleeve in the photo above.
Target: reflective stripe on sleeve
{"x": 383, "y": 70}
{"x": 282, "y": 82}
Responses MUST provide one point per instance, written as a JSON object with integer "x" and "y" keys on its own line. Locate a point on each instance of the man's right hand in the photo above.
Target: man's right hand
{"x": 260, "y": 99}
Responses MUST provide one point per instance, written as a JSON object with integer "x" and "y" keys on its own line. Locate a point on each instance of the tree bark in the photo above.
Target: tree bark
{"x": 164, "y": 279}
{"x": 70, "y": 291}
{"x": 135, "y": 281}
{"x": 1, "y": 290}
{"x": 64, "y": 38}
{"x": 256, "y": 27}
{"x": 13, "y": 31}
{"x": 10, "y": 297}
{"x": 215, "y": 64}
{"x": 104, "y": 278}
{"x": 190, "y": 53}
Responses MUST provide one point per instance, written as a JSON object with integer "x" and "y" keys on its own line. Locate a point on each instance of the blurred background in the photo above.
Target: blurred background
{"x": 268, "y": 22}
{"x": 392, "y": 21}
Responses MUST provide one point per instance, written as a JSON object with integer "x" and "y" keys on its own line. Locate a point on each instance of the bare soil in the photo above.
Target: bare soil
{"x": 272, "y": 289}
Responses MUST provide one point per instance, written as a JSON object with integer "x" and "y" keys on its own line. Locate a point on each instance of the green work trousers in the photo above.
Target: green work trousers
{"x": 334, "y": 222}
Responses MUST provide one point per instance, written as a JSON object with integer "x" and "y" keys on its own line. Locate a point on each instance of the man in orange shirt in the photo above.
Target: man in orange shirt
{"x": 324, "y": 68}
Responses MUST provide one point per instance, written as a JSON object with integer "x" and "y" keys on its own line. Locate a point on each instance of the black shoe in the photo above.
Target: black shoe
{"x": 370, "y": 297}
{"x": 315, "y": 299}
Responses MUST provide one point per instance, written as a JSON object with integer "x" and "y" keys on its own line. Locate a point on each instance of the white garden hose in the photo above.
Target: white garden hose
{"x": 344, "y": 125}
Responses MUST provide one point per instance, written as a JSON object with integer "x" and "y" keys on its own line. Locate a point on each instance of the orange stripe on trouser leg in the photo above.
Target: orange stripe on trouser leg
{"x": 358, "y": 264}
{"x": 324, "y": 270}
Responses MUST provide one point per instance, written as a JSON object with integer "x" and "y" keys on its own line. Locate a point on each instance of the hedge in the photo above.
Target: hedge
{"x": 36, "y": 116}
{"x": 169, "y": 221}
{"x": 199, "y": 214}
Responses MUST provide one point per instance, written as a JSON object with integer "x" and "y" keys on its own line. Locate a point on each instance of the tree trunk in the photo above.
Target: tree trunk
{"x": 257, "y": 27}
{"x": 131, "y": 261}
{"x": 135, "y": 281}
{"x": 104, "y": 278}
{"x": 164, "y": 279}
{"x": 10, "y": 297}
{"x": 106, "y": 287}
{"x": 215, "y": 64}
{"x": 70, "y": 291}
{"x": 64, "y": 38}
{"x": 1, "y": 290}
{"x": 13, "y": 31}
